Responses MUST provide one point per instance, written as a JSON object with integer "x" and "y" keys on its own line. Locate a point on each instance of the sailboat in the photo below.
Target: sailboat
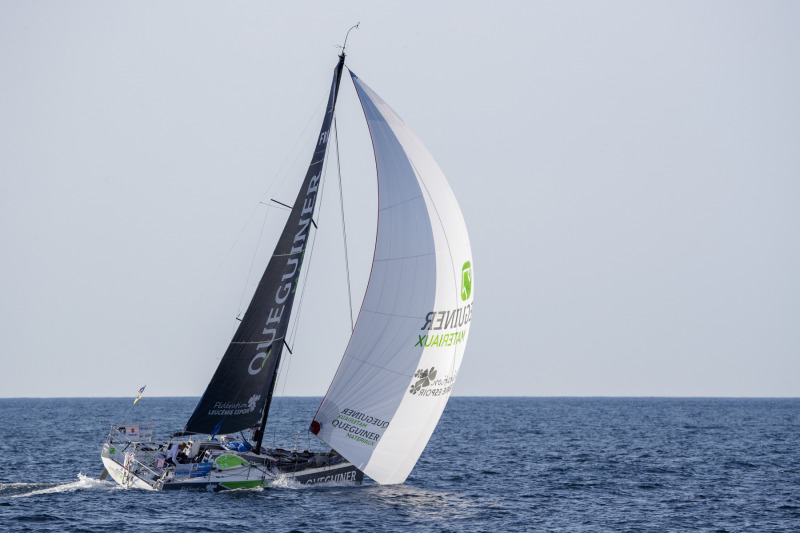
{"x": 399, "y": 366}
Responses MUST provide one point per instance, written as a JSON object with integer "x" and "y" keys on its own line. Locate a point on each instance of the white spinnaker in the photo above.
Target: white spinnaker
{"x": 398, "y": 369}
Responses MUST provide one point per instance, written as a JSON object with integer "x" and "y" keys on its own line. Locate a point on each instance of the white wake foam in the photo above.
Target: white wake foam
{"x": 20, "y": 490}
{"x": 285, "y": 482}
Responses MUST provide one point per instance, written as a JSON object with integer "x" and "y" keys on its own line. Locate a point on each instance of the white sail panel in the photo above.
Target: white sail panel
{"x": 403, "y": 358}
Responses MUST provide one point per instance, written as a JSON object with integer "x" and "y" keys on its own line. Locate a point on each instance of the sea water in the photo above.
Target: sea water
{"x": 493, "y": 464}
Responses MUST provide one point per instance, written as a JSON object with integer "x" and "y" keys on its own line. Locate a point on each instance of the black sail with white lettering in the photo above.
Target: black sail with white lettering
{"x": 236, "y": 396}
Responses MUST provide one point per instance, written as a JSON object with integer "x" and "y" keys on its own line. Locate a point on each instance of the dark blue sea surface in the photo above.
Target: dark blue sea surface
{"x": 493, "y": 464}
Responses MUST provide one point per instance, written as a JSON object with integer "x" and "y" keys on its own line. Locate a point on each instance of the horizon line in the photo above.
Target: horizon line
{"x": 591, "y": 396}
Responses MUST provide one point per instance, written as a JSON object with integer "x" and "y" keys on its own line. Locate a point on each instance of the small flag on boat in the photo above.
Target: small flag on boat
{"x": 140, "y": 395}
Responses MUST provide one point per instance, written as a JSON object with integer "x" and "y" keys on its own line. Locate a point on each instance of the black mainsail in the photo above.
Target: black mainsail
{"x": 239, "y": 394}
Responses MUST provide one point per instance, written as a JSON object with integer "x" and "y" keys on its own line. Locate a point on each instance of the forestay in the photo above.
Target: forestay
{"x": 403, "y": 357}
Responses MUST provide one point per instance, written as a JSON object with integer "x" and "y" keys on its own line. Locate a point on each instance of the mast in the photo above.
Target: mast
{"x": 258, "y": 435}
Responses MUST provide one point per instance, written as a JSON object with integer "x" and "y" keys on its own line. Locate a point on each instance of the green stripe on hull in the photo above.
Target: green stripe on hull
{"x": 250, "y": 484}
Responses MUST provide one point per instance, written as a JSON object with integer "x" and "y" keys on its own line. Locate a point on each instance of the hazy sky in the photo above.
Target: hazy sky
{"x": 629, "y": 173}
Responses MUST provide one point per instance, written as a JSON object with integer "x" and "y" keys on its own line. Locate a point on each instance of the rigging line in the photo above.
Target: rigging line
{"x": 283, "y": 370}
{"x": 344, "y": 226}
{"x": 204, "y": 292}
{"x": 252, "y": 263}
{"x": 195, "y": 308}
{"x": 125, "y": 416}
{"x": 277, "y": 400}
{"x": 307, "y": 265}
{"x": 310, "y": 252}
{"x": 280, "y": 177}
{"x": 282, "y": 174}
{"x": 275, "y": 183}
{"x": 283, "y": 376}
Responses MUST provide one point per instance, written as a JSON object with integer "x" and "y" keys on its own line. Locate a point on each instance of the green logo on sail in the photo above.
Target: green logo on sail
{"x": 466, "y": 281}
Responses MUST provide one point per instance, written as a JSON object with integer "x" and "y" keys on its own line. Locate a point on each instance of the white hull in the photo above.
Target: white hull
{"x": 138, "y": 466}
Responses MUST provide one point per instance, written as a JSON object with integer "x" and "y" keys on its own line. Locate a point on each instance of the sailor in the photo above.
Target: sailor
{"x": 172, "y": 455}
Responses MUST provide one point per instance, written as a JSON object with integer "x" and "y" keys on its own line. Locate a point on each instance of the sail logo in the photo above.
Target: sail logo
{"x": 251, "y": 403}
{"x": 425, "y": 378}
{"x": 455, "y": 319}
{"x": 426, "y": 383}
{"x": 358, "y": 426}
{"x": 342, "y": 476}
{"x": 235, "y": 408}
{"x": 448, "y": 339}
{"x": 466, "y": 281}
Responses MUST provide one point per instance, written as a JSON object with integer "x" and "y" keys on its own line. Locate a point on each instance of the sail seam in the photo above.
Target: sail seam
{"x": 407, "y": 257}
{"x": 384, "y": 208}
{"x": 378, "y": 366}
{"x": 390, "y": 314}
